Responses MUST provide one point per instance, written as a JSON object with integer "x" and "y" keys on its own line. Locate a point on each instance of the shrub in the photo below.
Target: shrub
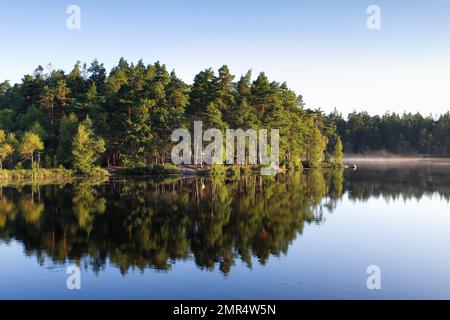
{"x": 216, "y": 170}
{"x": 234, "y": 171}
{"x": 97, "y": 172}
{"x": 150, "y": 170}
{"x": 295, "y": 165}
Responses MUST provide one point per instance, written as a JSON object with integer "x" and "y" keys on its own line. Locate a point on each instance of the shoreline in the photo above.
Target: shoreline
{"x": 62, "y": 175}
{"x": 397, "y": 161}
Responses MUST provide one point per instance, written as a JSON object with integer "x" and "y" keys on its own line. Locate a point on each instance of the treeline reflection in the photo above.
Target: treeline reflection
{"x": 152, "y": 224}
{"x": 392, "y": 183}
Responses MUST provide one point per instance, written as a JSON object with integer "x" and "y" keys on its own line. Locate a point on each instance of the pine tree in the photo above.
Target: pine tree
{"x": 213, "y": 118}
{"x": 201, "y": 94}
{"x": 140, "y": 134}
{"x": 338, "y": 154}
{"x": 67, "y": 130}
{"x": 263, "y": 95}
{"x": 224, "y": 92}
{"x": 317, "y": 143}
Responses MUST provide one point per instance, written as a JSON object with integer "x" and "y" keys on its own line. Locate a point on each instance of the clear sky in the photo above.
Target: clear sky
{"x": 323, "y": 49}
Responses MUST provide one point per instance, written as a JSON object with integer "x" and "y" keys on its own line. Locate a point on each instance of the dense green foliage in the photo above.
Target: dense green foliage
{"x": 394, "y": 133}
{"x": 86, "y": 148}
{"x": 135, "y": 108}
{"x": 6, "y": 149}
{"x": 338, "y": 152}
{"x": 126, "y": 118}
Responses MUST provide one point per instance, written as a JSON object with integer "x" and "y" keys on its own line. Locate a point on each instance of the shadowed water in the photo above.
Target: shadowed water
{"x": 294, "y": 236}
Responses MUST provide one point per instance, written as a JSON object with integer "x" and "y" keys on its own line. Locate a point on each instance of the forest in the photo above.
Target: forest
{"x": 89, "y": 117}
{"x": 406, "y": 134}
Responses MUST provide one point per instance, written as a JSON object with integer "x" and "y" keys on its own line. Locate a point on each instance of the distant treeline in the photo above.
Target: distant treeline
{"x": 132, "y": 111}
{"x": 400, "y": 134}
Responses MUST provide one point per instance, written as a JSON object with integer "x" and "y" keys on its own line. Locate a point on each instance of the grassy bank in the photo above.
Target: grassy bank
{"x": 36, "y": 174}
{"x": 48, "y": 174}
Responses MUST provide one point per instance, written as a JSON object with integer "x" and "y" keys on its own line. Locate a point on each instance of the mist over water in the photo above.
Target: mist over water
{"x": 395, "y": 160}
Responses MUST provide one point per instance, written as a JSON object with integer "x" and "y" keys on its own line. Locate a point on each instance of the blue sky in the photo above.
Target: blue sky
{"x": 323, "y": 49}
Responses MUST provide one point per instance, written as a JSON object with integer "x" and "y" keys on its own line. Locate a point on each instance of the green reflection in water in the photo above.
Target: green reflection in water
{"x": 153, "y": 223}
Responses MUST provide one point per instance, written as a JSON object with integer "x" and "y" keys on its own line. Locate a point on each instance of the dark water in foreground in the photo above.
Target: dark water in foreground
{"x": 290, "y": 237}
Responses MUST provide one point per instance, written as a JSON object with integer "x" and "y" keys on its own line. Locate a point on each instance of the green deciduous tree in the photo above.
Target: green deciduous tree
{"x": 86, "y": 148}
{"x": 30, "y": 143}
{"x": 6, "y": 149}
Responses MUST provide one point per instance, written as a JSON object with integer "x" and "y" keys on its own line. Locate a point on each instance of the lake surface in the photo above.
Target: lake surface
{"x": 297, "y": 236}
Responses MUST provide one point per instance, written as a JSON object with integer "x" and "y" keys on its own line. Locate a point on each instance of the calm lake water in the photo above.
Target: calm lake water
{"x": 299, "y": 236}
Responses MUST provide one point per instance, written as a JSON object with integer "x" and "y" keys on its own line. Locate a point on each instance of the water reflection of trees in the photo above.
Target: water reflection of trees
{"x": 150, "y": 224}
{"x": 390, "y": 183}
